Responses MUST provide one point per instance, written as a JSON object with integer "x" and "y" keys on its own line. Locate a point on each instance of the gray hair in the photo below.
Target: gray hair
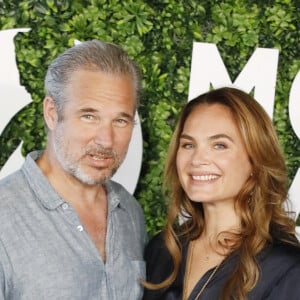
{"x": 92, "y": 55}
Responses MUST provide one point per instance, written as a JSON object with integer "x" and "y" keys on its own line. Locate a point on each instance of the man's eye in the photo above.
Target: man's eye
{"x": 88, "y": 117}
{"x": 121, "y": 122}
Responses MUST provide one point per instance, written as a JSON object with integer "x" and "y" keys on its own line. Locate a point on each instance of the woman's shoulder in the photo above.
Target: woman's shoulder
{"x": 158, "y": 259}
{"x": 280, "y": 270}
{"x": 284, "y": 253}
{"x": 157, "y": 239}
{"x": 156, "y": 247}
{"x": 278, "y": 260}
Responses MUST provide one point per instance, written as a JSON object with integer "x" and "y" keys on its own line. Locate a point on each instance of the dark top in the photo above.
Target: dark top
{"x": 279, "y": 277}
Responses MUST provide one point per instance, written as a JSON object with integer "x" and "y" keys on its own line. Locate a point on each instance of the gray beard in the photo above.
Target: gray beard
{"x": 74, "y": 168}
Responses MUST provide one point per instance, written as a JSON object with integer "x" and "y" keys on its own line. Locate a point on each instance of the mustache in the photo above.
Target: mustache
{"x": 100, "y": 150}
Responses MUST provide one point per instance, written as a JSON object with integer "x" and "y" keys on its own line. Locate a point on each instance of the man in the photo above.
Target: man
{"x": 68, "y": 231}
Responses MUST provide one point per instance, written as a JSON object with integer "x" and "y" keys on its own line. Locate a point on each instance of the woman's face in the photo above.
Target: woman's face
{"x": 212, "y": 162}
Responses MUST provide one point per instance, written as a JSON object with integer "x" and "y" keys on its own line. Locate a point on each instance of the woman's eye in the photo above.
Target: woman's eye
{"x": 187, "y": 146}
{"x": 220, "y": 146}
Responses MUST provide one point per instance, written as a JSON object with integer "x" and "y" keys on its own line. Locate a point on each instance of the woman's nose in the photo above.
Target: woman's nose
{"x": 200, "y": 157}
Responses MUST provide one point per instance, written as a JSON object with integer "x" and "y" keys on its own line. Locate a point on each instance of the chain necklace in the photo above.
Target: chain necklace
{"x": 188, "y": 271}
{"x": 207, "y": 281}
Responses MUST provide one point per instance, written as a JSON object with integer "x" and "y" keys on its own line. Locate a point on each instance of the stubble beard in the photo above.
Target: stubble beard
{"x": 73, "y": 165}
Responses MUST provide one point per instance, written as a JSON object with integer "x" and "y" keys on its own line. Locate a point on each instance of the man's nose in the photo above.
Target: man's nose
{"x": 104, "y": 135}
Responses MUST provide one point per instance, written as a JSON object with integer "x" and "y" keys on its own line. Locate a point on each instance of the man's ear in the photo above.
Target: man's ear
{"x": 50, "y": 113}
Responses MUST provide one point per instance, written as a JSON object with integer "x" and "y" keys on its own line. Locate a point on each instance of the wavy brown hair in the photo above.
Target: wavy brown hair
{"x": 261, "y": 201}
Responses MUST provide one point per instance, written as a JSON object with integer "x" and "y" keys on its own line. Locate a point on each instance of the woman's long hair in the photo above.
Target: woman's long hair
{"x": 261, "y": 201}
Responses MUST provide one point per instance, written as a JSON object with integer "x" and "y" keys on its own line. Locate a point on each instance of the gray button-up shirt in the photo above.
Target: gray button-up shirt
{"x": 46, "y": 253}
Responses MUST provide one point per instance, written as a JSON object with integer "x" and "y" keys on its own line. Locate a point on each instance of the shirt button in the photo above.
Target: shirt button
{"x": 65, "y": 206}
{"x": 79, "y": 228}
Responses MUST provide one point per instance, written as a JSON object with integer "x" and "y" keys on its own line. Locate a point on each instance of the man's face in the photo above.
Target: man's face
{"x": 91, "y": 139}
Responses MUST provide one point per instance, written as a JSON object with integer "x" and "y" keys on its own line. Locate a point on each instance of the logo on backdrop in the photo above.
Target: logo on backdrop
{"x": 14, "y": 97}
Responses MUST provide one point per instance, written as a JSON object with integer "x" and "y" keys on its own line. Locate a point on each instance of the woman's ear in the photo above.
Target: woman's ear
{"x": 50, "y": 113}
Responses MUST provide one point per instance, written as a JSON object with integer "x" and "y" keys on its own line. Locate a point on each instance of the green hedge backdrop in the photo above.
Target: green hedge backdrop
{"x": 158, "y": 34}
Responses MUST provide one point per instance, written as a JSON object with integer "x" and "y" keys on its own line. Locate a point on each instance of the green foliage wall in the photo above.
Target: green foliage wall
{"x": 158, "y": 34}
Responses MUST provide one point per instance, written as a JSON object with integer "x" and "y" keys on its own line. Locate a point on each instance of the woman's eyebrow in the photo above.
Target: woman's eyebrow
{"x": 210, "y": 138}
{"x": 220, "y": 136}
{"x": 186, "y": 136}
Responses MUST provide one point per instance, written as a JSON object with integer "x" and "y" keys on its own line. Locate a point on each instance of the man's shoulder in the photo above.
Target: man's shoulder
{"x": 11, "y": 185}
{"x": 118, "y": 188}
{"x": 12, "y": 190}
{"x": 16, "y": 181}
{"x": 127, "y": 203}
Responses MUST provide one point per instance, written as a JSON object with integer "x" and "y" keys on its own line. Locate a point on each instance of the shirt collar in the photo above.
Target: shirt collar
{"x": 113, "y": 195}
{"x": 39, "y": 182}
{"x": 48, "y": 195}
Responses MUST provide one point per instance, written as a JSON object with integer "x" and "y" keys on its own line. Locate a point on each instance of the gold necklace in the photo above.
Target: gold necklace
{"x": 207, "y": 281}
{"x": 188, "y": 271}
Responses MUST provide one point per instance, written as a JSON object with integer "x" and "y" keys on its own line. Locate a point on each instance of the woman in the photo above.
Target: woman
{"x": 228, "y": 235}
